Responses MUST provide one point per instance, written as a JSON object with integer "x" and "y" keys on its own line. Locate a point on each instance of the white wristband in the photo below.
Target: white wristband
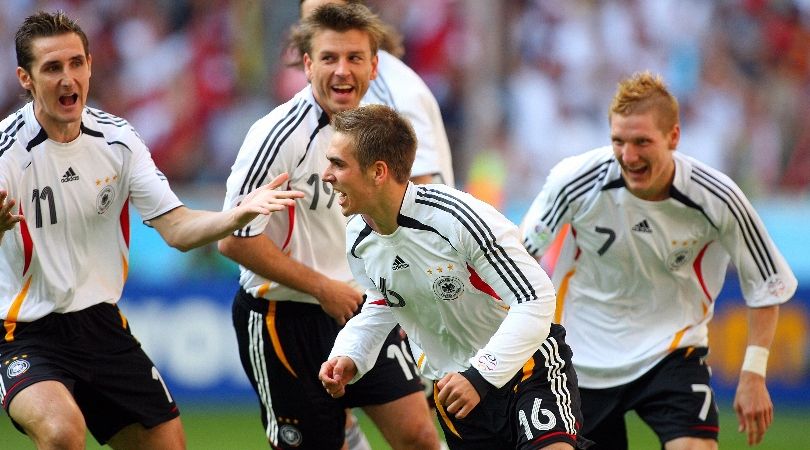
{"x": 756, "y": 359}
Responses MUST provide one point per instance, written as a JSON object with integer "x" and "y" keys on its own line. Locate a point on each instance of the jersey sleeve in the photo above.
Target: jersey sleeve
{"x": 765, "y": 277}
{"x": 149, "y": 189}
{"x": 259, "y": 161}
{"x": 494, "y": 251}
{"x": 364, "y": 334}
{"x": 551, "y": 209}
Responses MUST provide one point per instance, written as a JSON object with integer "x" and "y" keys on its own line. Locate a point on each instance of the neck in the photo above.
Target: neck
{"x": 383, "y": 218}
{"x": 58, "y": 131}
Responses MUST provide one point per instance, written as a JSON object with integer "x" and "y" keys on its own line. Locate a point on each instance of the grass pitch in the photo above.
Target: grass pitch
{"x": 229, "y": 428}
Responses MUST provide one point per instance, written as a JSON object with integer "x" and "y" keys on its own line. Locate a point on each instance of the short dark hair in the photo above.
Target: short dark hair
{"x": 44, "y": 24}
{"x": 379, "y": 133}
{"x": 353, "y": 16}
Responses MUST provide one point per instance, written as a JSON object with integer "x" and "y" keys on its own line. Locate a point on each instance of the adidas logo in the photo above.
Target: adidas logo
{"x": 70, "y": 175}
{"x": 643, "y": 227}
{"x": 399, "y": 264}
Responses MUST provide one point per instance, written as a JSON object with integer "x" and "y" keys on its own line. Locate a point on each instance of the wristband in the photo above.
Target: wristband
{"x": 756, "y": 359}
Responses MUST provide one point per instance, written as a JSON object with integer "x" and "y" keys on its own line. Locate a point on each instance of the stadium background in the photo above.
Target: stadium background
{"x": 521, "y": 84}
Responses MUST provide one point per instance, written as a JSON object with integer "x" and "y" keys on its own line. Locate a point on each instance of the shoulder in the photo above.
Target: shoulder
{"x": 444, "y": 204}
{"x": 595, "y": 166}
{"x": 299, "y": 116}
{"x": 111, "y": 128}
{"x": 710, "y": 188}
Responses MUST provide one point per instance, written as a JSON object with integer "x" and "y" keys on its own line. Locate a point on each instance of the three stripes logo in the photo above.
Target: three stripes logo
{"x": 399, "y": 264}
{"x": 70, "y": 175}
{"x": 642, "y": 227}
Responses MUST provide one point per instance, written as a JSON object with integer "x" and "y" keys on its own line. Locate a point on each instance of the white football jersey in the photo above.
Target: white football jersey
{"x": 399, "y": 87}
{"x": 638, "y": 279}
{"x": 456, "y": 278}
{"x": 72, "y": 250}
{"x": 292, "y": 138}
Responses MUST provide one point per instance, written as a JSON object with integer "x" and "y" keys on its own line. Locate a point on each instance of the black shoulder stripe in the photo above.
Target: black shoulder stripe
{"x": 322, "y": 122}
{"x": 15, "y": 125}
{"x": 572, "y": 191}
{"x": 121, "y": 144}
{"x": 681, "y": 197}
{"x": 90, "y": 132}
{"x": 269, "y": 149}
{"x": 363, "y": 234}
{"x": 106, "y": 118}
{"x": 618, "y": 183}
{"x": 496, "y": 255}
{"x": 38, "y": 139}
{"x": 410, "y": 222}
{"x": 753, "y": 239}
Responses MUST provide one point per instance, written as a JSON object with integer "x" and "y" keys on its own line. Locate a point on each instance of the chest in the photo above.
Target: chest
{"x": 619, "y": 232}
{"x": 422, "y": 272}
{"x": 306, "y": 172}
{"x": 57, "y": 189}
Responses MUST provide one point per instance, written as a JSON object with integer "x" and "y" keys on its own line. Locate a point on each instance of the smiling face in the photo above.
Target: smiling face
{"x": 340, "y": 68}
{"x": 59, "y": 80}
{"x": 644, "y": 152}
{"x": 354, "y": 185}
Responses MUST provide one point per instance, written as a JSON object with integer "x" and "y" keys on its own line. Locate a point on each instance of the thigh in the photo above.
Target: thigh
{"x": 393, "y": 376}
{"x": 484, "y": 428}
{"x": 282, "y": 345}
{"x": 676, "y": 399}
{"x": 603, "y": 418}
{"x": 546, "y": 404}
{"x": 166, "y": 436}
{"x": 405, "y": 422}
{"x": 45, "y": 402}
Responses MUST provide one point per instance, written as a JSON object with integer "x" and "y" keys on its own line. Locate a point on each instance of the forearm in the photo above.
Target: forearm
{"x": 185, "y": 229}
{"x": 761, "y": 330}
{"x": 263, "y": 257}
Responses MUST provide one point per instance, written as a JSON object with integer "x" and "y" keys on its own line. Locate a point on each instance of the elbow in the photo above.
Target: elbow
{"x": 225, "y": 246}
{"x": 181, "y": 246}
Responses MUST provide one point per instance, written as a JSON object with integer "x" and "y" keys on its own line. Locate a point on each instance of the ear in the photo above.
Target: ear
{"x": 90, "y": 64}
{"x": 374, "y": 60}
{"x": 379, "y": 171}
{"x": 674, "y": 136}
{"x": 25, "y": 79}
{"x": 308, "y": 67}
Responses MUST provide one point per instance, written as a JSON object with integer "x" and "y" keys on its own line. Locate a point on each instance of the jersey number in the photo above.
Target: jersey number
{"x": 390, "y": 295}
{"x": 611, "y": 236}
{"x": 45, "y": 194}
{"x": 314, "y": 180}
{"x": 534, "y": 420}
{"x": 403, "y": 357}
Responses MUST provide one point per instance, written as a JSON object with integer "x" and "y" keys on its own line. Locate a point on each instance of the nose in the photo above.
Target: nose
{"x": 629, "y": 154}
{"x": 327, "y": 175}
{"x": 342, "y": 68}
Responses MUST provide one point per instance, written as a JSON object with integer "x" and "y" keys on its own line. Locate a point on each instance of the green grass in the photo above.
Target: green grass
{"x": 209, "y": 428}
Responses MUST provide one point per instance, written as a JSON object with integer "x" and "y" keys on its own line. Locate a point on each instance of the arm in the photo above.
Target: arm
{"x": 8, "y": 220}
{"x": 260, "y": 255}
{"x": 752, "y": 403}
{"x": 185, "y": 228}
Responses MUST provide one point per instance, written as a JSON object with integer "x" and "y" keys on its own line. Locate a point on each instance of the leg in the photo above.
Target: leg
{"x": 166, "y": 436}
{"x": 49, "y": 415}
{"x": 690, "y": 443}
{"x": 406, "y": 422}
{"x": 355, "y": 438}
{"x": 602, "y": 421}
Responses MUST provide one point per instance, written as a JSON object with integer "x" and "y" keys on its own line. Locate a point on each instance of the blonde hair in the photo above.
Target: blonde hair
{"x": 643, "y": 92}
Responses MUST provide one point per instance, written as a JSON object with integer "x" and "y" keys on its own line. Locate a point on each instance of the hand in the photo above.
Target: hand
{"x": 753, "y": 406}
{"x": 458, "y": 396}
{"x": 7, "y": 219}
{"x": 336, "y": 373}
{"x": 339, "y": 300}
{"x": 265, "y": 200}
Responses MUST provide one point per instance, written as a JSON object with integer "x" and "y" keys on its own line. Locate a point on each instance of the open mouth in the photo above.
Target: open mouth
{"x": 343, "y": 88}
{"x": 69, "y": 100}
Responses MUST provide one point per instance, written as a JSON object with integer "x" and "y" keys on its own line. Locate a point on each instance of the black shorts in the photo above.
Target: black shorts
{"x": 92, "y": 353}
{"x": 282, "y": 345}
{"x": 536, "y": 408}
{"x": 674, "y": 398}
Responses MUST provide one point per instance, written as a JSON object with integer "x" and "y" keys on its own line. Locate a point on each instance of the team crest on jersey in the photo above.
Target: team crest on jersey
{"x": 105, "y": 199}
{"x": 679, "y": 257}
{"x": 290, "y": 435}
{"x": 448, "y": 288}
{"x": 17, "y": 368}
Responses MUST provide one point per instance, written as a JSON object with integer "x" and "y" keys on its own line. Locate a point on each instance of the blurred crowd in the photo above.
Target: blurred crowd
{"x": 192, "y": 75}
